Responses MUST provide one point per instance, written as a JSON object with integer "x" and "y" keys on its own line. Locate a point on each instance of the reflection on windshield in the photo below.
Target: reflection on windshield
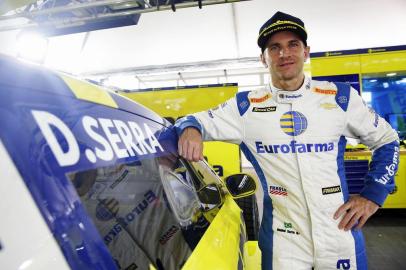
{"x": 128, "y": 205}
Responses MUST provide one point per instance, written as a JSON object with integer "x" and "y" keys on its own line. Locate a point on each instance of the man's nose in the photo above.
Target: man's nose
{"x": 284, "y": 52}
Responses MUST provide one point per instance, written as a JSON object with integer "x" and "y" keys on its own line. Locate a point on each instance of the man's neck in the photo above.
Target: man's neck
{"x": 289, "y": 85}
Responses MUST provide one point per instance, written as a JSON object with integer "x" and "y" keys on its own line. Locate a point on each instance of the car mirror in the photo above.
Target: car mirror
{"x": 240, "y": 185}
{"x": 209, "y": 196}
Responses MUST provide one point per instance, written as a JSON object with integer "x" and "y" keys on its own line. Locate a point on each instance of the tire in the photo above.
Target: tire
{"x": 250, "y": 213}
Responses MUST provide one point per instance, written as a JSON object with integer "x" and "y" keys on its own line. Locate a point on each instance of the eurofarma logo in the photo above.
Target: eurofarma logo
{"x": 293, "y": 123}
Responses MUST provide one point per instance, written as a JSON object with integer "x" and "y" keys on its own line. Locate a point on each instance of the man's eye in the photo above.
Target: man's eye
{"x": 274, "y": 48}
{"x": 294, "y": 45}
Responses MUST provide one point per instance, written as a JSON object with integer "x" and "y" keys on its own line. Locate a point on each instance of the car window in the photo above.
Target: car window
{"x": 146, "y": 212}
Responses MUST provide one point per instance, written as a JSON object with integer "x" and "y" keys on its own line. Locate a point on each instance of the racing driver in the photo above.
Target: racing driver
{"x": 294, "y": 133}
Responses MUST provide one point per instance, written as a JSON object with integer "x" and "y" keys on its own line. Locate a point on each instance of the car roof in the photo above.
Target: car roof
{"x": 16, "y": 74}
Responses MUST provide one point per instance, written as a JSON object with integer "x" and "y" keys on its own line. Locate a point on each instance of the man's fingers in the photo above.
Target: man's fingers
{"x": 362, "y": 221}
{"x": 180, "y": 148}
{"x": 196, "y": 153}
{"x": 352, "y": 222}
{"x": 347, "y": 217}
{"x": 342, "y": 209}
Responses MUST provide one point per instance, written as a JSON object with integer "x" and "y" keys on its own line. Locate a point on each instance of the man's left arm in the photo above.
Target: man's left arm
{"x": 365, "y": 124}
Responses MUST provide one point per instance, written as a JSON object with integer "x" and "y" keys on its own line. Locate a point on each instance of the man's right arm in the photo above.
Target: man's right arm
{"x": 222, "y": 123}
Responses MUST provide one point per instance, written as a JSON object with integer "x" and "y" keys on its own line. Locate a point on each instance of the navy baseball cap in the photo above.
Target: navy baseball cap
{"x": 281, "y": 22}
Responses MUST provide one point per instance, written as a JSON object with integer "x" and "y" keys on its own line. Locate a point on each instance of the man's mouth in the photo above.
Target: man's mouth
{"x": 286, "y": 64}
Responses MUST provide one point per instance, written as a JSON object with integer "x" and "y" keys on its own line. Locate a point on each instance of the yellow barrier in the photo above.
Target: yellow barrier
{"x": 172, "y": 104}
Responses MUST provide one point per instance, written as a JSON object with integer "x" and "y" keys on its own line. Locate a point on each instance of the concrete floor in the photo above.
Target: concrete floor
{"x": 385, "y": 237}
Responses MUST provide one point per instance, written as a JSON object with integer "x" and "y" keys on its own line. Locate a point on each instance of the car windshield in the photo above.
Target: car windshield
{"x": 146, "y": 212}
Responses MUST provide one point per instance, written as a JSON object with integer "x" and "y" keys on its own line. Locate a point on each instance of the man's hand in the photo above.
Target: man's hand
{"x": 190, "y": 145}
{"x": 357, "y": 209}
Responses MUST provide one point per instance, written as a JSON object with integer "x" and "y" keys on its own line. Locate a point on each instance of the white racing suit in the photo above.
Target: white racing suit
{"x": 127, "y": 205}
{"x": 296, "y": 140}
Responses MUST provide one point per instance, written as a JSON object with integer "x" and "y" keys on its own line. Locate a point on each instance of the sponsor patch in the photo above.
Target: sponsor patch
{"x": 210, "y": 113}
{"x": 325, "y": 91}
{"x": 293, "y": 147}
{"x": 243, "y": 104}
{"x": 280, "y": 191}
{"x": 293, "y": 123}
{"x": 342, "y": 99}
{"x": 390, "y": 169}
{"x": 343, "y": 264}
{"x": 261, "y": 99}
{"x": 264, "y": 109}
{"x": 328, "y": 106}
{"x": 331, "y": 190}
{"x": 288, "y": 228}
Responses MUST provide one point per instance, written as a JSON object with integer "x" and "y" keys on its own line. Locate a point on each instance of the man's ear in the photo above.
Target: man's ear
{"x": 306, "y": 53}
{"x": 261, "y": 56}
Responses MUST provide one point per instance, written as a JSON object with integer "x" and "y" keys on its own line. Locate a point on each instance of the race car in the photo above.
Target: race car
{"x": 92, "y": 180}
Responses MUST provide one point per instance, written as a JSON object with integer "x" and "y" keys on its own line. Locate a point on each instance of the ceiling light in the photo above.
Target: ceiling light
{"x": 32, "y": 46}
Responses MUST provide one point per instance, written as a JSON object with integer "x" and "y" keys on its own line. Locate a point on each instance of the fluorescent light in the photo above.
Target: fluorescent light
{"x": 373, "y": 80}
{"x": 385, "y": 85}
{"x": 32, "y": 46}
{"x": 391, "y": 74}
{"x": 122, "y": 82}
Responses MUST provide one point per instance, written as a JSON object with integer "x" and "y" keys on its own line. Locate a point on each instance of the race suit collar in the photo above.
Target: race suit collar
{"x": 283, "y": 96}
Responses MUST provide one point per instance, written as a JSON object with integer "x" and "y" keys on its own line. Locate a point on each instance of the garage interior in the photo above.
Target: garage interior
{"x": 144, "y": 45}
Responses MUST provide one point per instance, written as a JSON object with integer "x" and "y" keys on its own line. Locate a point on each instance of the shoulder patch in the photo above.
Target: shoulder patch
{"x": 325, "y": 91}
{"x": 243, "y": 103}
{"x": 260, "y": 99}
{"x": 343, "y": 95}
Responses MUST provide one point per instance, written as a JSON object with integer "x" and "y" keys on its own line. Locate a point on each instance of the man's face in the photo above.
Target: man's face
{"x": 285, "y": 55}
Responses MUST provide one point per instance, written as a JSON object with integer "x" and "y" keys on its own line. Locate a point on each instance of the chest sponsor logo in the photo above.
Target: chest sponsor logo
{"x": 328, "y": 106}
{"x": 279, "y": 191}
{"x": 113, "y": 138}
{"x": 293, "y": 123}
{"x": 390, "y": 169}
{"x": 264, "y": 109}
{"x": 261, "y": 99}
{"x": 325, "y": 91}
{"x": 293, "y": 147}
{"x": 289, "y": 97}
{"x": 331, "y": 190}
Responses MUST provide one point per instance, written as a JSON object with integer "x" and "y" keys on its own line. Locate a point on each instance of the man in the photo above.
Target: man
{"x": 293, "y": 132}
